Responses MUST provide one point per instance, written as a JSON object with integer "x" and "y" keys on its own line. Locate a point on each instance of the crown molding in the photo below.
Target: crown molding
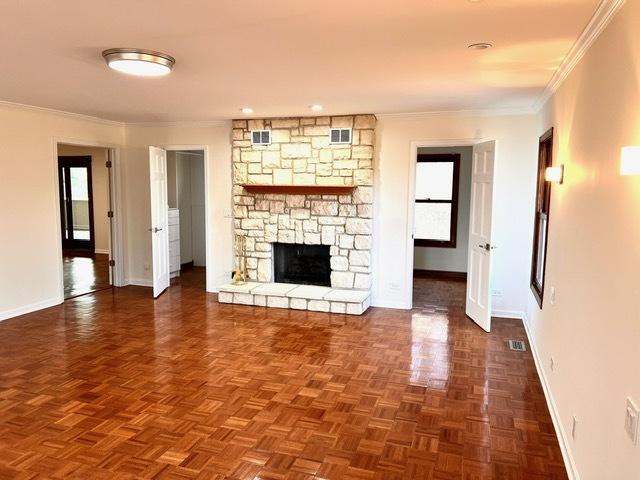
{"x": 599, "y": 21}
{"x": 114, "y": 123}
{"x": 60, "y": 113}
{"x": 220, "y": 123}
{"x": 493, "y": 112}
{"x": 186, "y": 124}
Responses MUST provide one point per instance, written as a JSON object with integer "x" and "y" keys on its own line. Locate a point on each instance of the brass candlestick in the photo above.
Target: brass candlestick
{"x": 240, "y": 273}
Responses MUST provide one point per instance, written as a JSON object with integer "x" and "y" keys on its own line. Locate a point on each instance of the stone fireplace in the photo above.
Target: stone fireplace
{"x": 301, "y": 189}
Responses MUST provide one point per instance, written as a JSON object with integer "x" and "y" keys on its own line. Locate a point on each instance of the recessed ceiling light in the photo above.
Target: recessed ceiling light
{"x": 246, "y": 110}
{"x": 316, "y": 108}
{"x": 134, "y": 61}
{"x": 480, "y": 46}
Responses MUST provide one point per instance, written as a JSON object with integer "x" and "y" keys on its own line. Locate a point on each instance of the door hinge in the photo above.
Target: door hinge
{"x": 108, "y": 164}
{"x": 110, "y": 214}
{"x": 112, "y": 263}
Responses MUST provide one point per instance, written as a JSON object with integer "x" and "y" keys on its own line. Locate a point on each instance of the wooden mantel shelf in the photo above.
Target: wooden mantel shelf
{"x": 300, "y": 189}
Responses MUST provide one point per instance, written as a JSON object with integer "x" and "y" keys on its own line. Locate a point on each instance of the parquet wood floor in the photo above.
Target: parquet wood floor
{"x": 84, "y": 273}
{"x": 429, "y": 292}
{"x": 115, "y": 385}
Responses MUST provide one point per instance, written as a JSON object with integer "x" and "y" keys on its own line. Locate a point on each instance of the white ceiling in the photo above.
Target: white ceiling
{"x": 280, "y": 56}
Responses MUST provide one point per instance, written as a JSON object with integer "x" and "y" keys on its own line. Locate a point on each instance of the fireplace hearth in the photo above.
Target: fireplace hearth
{"x": 302, "y": 264}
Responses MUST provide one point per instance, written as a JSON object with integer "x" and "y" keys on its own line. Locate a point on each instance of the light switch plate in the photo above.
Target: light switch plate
{"x": 631, "y": 421}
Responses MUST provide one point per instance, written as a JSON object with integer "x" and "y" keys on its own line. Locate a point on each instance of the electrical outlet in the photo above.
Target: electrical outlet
{"x": 552, "y": 296}
{"x": 574, "y": 427}
{"x": 552, "y": 364}
{"x": 496, "y": 292}
{"x": 631, "y": 421}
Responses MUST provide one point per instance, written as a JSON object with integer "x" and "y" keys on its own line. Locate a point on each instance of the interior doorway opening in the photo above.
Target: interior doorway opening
{"x": 186, "y": 198}
{"x": 441, "y": 226}
{"x": 84, "y": 185}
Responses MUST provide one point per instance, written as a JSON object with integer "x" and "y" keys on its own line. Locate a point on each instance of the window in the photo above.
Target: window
{"x": 436, "y": 211}
{"x": 541, "y": 225}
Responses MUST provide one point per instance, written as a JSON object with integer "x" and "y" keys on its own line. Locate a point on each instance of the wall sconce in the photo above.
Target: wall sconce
{"x": 630, "y": 160}
{"x": 554, "y": 174}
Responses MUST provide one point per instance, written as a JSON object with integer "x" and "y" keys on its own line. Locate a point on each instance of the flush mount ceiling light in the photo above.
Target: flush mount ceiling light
{"x": 316, "y": 108}
{"x": 479, "y": 46}
{"x": 134, "y": 61}
{"x": 246, "y": 110}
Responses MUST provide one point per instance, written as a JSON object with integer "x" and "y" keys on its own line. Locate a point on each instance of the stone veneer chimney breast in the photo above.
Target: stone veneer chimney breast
{"x": 300, "y": 154}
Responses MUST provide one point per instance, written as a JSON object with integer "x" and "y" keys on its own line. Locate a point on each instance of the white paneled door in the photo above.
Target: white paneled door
{"x": 159, "y": 219}
{"x": 480, "y": 226}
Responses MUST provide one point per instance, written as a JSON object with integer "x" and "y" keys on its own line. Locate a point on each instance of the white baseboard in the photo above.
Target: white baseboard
{"x": 386, "y": 304}
{"x": 565, "y": 448}
{"x": 140, "y": 282}
{"x": 101, "y": 250}
{"x": 32, "y": 307}
{"x": 507, "y": 314}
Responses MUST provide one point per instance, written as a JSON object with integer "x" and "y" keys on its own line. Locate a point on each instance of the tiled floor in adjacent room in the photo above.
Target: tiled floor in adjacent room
{"x": 115, "y": 385}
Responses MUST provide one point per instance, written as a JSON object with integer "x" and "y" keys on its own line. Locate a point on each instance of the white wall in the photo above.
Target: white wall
{"x": 172, "y": 179}
{"x": 191, "y": 203}
{"x": 450, "y": 259}
{"x": 217, "y": 139}
{"x": 198, "y": 218}
{"x": 100, "y": 188}
{"x": 30, "y": 249}
{"x": 183, "y": 170}
{"x": 593, "y": 258}
{"x": 514, "y": 200}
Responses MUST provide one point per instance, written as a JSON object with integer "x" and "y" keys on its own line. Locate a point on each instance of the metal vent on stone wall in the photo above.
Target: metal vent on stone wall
{"x": 517, "y": 345}
{"x": 340, "y": 135}
{"x": 260, "y": 137}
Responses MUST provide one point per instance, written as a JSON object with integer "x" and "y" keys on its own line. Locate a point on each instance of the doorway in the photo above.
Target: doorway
{"x": 431, "y": 199}
{"x": 84, "y": 192}
{"x": 441, "y": 226}
{"x": 186, "y": 197}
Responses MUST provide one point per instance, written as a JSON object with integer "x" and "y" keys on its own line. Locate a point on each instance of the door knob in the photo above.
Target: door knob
{"x": 486, "y": 246}
{"x": 155, "y": 230}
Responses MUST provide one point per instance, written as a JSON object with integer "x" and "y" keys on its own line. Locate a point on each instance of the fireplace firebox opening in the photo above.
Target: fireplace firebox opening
{"x": 302, "y": 264}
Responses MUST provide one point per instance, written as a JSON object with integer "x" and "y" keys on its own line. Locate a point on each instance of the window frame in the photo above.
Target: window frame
{"x": 453, "y": 230}
{"x": 542, "y": 207}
